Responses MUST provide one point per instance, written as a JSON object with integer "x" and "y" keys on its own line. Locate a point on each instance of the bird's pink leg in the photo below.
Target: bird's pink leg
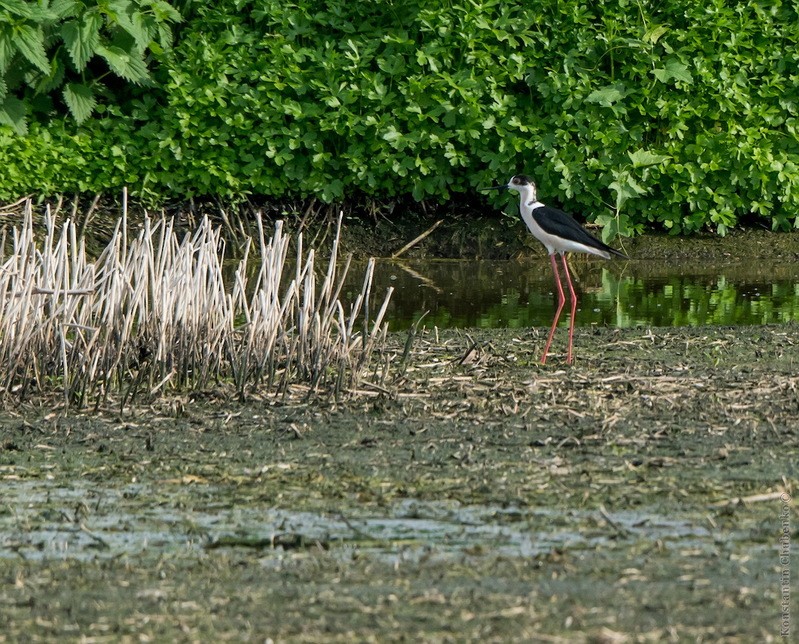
{"x": 561, "y": 302}
{"x": 573, "y": 310}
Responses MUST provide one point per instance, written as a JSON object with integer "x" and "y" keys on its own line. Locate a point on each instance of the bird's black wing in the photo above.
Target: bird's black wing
{"x": 560, "y": 224}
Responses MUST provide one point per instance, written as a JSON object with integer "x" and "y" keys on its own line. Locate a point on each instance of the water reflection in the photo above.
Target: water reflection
{"x": 458, "y": 293}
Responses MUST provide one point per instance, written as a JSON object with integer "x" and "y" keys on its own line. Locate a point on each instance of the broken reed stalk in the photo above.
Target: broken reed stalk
{"x": 155, "y": 311}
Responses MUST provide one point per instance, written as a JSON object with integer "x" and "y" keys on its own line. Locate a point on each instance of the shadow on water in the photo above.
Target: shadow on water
{"x": 496, "y": 294}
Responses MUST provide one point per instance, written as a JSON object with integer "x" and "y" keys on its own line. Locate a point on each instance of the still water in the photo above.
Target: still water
{"x": 491, "y": 294}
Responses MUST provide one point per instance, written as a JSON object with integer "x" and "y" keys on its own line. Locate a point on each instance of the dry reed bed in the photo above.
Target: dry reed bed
{"x": 157, "y": 311}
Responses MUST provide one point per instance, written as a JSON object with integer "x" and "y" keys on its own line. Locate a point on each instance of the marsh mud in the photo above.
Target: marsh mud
{"x": 638, "y": 495}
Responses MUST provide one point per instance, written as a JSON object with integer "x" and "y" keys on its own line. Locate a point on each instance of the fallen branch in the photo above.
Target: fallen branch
{"x": 415, "y": 241}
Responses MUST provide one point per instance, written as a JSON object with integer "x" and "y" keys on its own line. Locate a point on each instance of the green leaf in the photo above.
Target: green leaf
{"x": 30, "y": 43}
{"x": 128, "y": 65}
{"x": 48, "y": 82}
{"x": 64, "y": 8}
{"x": 134, "y": 26}
{"x": 673, "y": 70}
{"x": 610, "y": 227}
{"x": 28, "y": 10}
{"x": 144, "y": 30}
{"x": 7, "y": 48}
{"x": 625, "y": 187}
{"x": 118, "y": 6}
{"x": 165, "y": 38}
{"x": 607, "y": 95}
{"x": 643, "y": 158}
{"x": 12, "y": 112}
{"x": 678, "y": 71}
{"x": 392, "y": 135}
{"x": 82, "y": 37}
{"x": 165, "y": 12}
{"x": 654, "y": 33}
{"x": 80, "y": 101}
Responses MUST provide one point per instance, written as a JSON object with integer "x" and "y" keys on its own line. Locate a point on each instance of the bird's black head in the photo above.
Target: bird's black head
{"x": 518, "y": 183}
{"x": 521, "y": 180}
{"x": 524, "y": 185}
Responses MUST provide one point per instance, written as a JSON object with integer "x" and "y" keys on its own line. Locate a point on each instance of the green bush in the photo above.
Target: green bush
{"x": 674, "y": 114}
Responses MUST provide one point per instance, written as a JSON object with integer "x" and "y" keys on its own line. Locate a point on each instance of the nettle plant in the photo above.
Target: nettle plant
{"x": 74, "y": 51}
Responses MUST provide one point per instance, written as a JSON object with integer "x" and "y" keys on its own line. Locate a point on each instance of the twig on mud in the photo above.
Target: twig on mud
{"x": 102, "y": 542}
{"x": 570, "y": 439}
{"x": 416, "y": 240}
{"x": 360, "y": 533}
{"x": 753, "y": 498}
{"x": 409, "y": 341}
{"x": 618, "y": 528}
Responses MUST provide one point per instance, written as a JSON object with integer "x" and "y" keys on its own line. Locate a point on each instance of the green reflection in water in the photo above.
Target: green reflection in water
{"x": 512, "y": 294}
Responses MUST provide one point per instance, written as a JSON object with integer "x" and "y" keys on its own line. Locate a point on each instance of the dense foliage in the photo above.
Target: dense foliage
{"x": 58, "y": 45}
{"x": 672, "y": 114}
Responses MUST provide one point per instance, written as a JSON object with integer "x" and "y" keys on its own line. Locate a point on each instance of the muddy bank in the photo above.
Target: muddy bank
{"x": 493, "y": 235}
{"x": 465, "y": 228}
{"x": 637, "y": 495}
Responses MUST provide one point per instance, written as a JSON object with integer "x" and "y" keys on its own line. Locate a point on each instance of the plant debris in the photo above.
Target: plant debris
{"x": 486, "y": 498}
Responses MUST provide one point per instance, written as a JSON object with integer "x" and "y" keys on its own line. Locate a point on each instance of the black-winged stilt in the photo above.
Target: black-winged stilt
{"x": 560, "y": 234}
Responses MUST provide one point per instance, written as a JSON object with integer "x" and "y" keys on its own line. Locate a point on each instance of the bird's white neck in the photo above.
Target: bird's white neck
{"x": 528, "y": 201}
{"x": 532, "y": 205}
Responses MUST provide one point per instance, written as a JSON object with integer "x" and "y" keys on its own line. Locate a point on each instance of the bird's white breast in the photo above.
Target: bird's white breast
{"x": 550, "y": 242}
